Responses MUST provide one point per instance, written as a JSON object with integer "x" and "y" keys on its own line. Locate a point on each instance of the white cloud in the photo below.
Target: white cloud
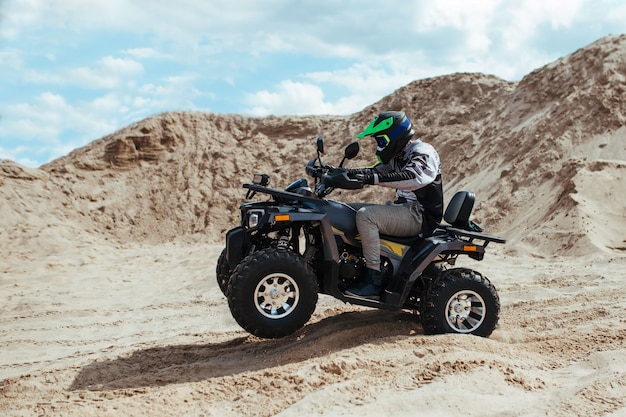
{"x": 290, "y": 98}
{"x": 170, "y": 92}
{"x": 618, "y": 14}
{"x": 33, "y": 133}
{"x": 496, "y": 27}
{"x": 49, "y": 114}
{"x": 108, "y": 104}
{"x": 108, "y": 73}
{"x": 456, "y": 14}
{"x": 364, "y": 84}
{"x": 14, "y": 155}
{"x": 126, "y": 67}
{"x": 16, "y": 16}
{"x": 11, "y": 59}
{"x": 182, "y": 21}
{"x": 147, "y": 53}
{"x": 559, "y": 13}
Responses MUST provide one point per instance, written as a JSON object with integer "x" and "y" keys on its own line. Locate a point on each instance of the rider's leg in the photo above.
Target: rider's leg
{"x": 395, "y": 220}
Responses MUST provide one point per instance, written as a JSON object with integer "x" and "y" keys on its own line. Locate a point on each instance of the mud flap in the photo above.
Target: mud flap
{"x": 393, "y": 294}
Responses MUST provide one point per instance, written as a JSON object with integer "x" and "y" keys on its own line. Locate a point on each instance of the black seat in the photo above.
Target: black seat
{"x": 459, "y": 210}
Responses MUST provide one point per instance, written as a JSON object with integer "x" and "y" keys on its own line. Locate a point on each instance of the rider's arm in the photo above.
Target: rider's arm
{"x": 420, "y": 171}
{"x": 400, "y": 180}
{"x": 385, "y": 176}
{"x": 361, "y": 171}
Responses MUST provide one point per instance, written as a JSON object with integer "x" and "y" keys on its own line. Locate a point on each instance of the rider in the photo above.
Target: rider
{"x": 410, "y": 166}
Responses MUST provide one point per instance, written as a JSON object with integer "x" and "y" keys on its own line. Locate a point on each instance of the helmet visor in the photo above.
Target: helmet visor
{"x": 382, "y": 141}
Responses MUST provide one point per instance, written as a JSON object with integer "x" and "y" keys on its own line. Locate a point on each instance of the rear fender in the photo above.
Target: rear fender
{"x": 418, "y": 258}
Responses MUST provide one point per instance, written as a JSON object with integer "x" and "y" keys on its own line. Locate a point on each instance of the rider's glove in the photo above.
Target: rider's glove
{"x": 365, "y": 178}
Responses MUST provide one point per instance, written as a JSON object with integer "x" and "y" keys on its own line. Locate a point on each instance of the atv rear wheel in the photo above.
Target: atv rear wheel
{"x": 272, "y": 293}
{"x": 461, "y": 301}
{"x": 222, "y": 272}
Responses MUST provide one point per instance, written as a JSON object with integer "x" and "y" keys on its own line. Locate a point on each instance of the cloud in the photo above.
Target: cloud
{"x": 14, "y": 155}
{"x": 43, "y": 119}
{"x": 50, "y": 126}
{"x": 108, "y": 73}
{"x": 290, "y": 98}
{"x": 362, "y": 85}
{"x": 618, "y": 14}
{"x": 147, "y": 53}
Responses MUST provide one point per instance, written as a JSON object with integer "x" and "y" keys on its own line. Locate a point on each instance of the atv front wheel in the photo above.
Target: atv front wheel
{"x": 461, "y": 301}
{"x": 222, "y": 272}
{"x": 272, "y": 293}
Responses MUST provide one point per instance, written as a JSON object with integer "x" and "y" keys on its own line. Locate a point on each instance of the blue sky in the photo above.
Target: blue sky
{"x": 73, "y": 71}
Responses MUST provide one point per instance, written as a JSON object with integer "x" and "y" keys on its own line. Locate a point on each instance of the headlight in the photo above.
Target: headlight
{"x": 254, "y": 218}
{"x": 261, "y": 179}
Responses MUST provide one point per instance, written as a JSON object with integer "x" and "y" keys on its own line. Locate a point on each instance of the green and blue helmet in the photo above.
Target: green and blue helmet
{"x": 392, "y": 131}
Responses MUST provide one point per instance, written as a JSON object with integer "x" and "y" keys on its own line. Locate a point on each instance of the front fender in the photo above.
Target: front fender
{"x": 235, "y": 246}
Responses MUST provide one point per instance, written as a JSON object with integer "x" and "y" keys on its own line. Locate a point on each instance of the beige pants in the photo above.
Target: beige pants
{"x": 402, "y": 220}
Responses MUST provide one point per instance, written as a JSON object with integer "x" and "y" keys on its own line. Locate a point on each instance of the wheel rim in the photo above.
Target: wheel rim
{"x": 465, "y": 312}
{"x": 276, "y": 296}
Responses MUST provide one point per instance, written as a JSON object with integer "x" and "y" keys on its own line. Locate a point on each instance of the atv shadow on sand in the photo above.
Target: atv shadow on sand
{"x": 176, "y": 364}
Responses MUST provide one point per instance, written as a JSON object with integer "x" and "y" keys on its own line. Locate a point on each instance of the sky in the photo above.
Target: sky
{"x": 73, "y": 71}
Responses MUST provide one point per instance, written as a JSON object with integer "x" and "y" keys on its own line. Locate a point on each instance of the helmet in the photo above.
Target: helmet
{"x": 392, "y": 131}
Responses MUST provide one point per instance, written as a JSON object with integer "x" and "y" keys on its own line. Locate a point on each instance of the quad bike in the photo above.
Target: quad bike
{"x": 297, "y": 243}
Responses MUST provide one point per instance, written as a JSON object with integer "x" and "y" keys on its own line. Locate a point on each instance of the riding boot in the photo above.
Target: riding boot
{"x": 369, "y": 287}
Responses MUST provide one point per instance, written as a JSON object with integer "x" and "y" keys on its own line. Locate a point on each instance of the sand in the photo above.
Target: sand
{"x": 143, "y": 330}
{"x": 109, "y": 302}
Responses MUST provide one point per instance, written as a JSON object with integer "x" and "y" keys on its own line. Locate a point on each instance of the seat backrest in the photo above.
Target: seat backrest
{"x": 460, "y": 208}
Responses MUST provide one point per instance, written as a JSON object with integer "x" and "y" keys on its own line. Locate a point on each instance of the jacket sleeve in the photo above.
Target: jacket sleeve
{"x": 386, "y": 176}
{"x": 360, "y": 171}
{"x": 420, "y": 171}
{"x": 406, "y": 179}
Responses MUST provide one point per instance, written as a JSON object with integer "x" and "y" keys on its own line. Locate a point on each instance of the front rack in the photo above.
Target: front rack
{"x": 283, "y": 195}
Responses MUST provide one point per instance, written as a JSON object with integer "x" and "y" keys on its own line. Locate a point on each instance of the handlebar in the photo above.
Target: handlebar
{"x": 311, "y": 169}
{"x": 328, "y": 178}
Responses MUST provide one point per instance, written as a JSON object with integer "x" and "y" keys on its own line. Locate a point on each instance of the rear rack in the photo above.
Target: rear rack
{"x": 471, "y": 236}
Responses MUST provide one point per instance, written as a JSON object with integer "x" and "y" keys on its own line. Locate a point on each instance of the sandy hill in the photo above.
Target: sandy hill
{"x": 545, "y": 156}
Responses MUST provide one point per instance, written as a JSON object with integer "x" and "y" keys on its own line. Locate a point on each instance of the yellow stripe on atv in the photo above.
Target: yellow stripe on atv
{"x": 395, "y": 248}
{"x": 337, "y": 231}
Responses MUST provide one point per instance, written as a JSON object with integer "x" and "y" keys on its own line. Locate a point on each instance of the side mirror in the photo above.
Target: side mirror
{"x": 350, "y": 152}
{"x": 320, "y": 144}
